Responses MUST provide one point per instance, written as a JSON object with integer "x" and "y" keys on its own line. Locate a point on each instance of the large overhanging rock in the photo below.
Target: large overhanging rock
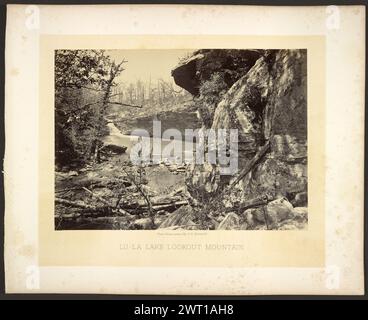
{"x": 268, "y": 103}
{"x": 185, "y": 74}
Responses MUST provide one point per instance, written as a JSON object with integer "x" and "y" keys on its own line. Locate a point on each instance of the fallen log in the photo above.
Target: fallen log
{"x": 160, "y": 200}
{"x": 94, "y": 183}
{"x": 89, "y": 210}
{"x": 76, "y": 204}
{"x": 182, "y": 216}
{"x": 97, "y": 197}
{"x": 170, "y": 206}
{"x": 180, "y": 190}
{"x": 251, "y": 203}
{"x": 156, "y": 207}
{"x": 123, "y": 208}
{"x": 86, "y": 223}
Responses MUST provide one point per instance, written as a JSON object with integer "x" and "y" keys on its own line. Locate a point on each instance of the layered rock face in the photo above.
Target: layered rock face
{"x": 266, "y": 100}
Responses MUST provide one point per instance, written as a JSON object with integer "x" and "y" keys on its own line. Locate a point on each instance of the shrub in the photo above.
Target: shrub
{"x": 210, "y": 94}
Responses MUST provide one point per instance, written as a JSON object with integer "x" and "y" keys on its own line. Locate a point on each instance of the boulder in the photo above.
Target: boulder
{"x": 230, "y": 222}
{"x": 185, "y": 74}
{"x": 279, "y": 210}
{"x": 249, "y": 218}
{"x": 259, "y": 214}
{"x": 276, "y": 177}
{"x": 289, "y": 148}
{"x": 180, "y": 217}
{"x": 270, "y": 97}
{"x": 289, "y": 226}
{"x": 300, "y": 214}
{"x": 203, "y": 181}
{"x": 143, "y": 223}
{"x": 301, "y": 199}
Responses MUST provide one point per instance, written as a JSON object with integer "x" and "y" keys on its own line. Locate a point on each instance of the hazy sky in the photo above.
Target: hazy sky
{"x": 145, "y": 63}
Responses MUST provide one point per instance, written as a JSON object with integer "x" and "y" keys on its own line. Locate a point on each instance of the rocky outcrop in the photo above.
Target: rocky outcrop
{"x": 192, "y": 72}
{"x": 270, "y": 99}
{"x": 185, "y": 74}
{"x": 266, "y": 101}
{"x": 278, "y": 214}
{"x": 280, "y": 80}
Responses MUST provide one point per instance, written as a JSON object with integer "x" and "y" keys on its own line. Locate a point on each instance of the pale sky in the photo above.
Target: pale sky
{"x": 145, "y": 63}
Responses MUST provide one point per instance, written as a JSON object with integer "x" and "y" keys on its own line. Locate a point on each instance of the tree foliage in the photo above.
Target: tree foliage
{"x": 150, "y": 93}
{"x": 210, "y": 94}
{"x": 83, "y": 84}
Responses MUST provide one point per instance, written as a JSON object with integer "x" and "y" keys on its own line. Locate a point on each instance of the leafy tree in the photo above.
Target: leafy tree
{"x": 84, "y": 80}
{"x": 210, "y": 94}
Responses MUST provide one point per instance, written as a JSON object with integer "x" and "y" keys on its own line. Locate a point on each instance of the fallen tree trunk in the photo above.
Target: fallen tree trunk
{"x": 89, "y": 210}
{"x": 182, "y": 216}
{"x": 93, "y": 183}
{"x": 155, "y": 207}
{"x": 125, "y": 104}
{"x": 108, "y": 223}
{"x": 169, "y": 206}
{"x": 159, "y": 200}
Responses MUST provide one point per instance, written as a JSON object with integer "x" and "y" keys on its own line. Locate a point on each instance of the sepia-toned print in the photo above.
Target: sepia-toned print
{"x": 207, "y": 139}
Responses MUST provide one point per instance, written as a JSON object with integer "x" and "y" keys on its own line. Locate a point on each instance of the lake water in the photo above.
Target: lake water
{"x": 179, "y": 120}
{"x": 117, "y": 138}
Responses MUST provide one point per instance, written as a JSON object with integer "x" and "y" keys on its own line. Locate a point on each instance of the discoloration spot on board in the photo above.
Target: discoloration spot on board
{"x": 14, "y": 71}
{"x": 27, "y": 251}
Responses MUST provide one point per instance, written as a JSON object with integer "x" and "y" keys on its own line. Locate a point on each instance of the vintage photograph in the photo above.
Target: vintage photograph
{"x": 206, "y": 139}
{"x": 183, "y": 150}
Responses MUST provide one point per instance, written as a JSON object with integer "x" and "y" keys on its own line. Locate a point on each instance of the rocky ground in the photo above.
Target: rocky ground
{"x": 113, "y": 195}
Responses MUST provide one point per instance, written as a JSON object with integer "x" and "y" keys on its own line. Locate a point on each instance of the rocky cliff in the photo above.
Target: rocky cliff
{"x": 263, "y": 94}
